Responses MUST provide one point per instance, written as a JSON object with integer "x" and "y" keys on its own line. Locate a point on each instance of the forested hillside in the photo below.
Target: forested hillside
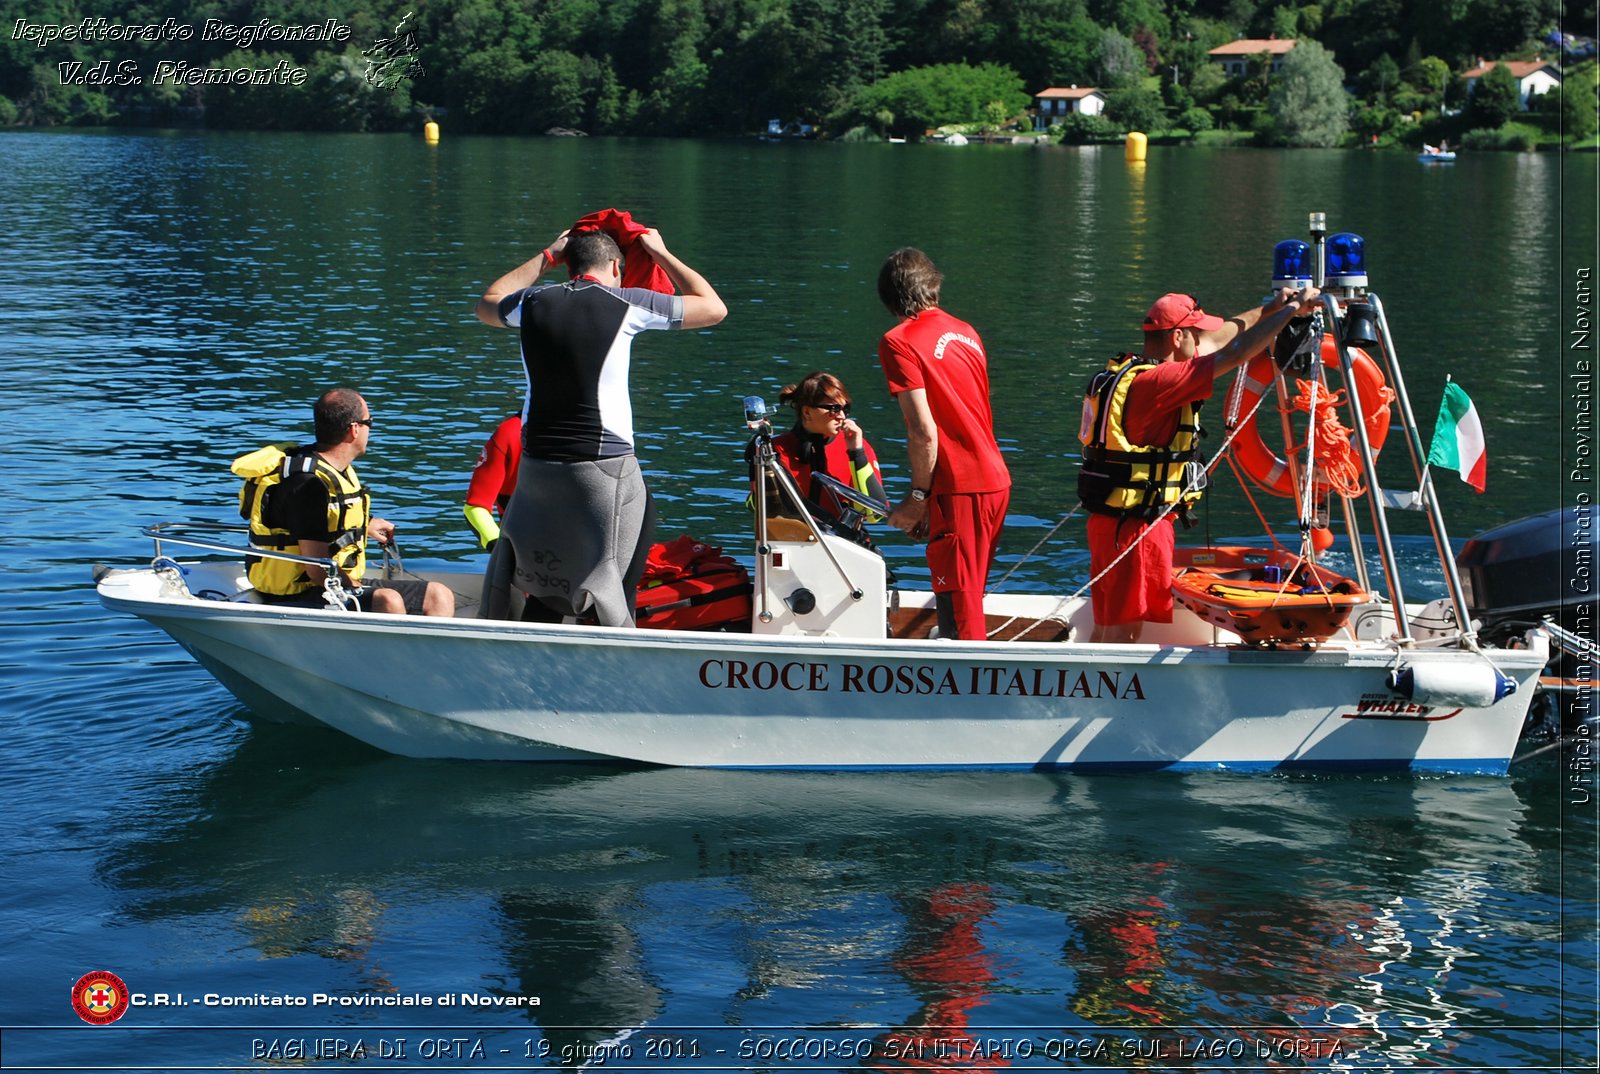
{"x": 677, "y": 67}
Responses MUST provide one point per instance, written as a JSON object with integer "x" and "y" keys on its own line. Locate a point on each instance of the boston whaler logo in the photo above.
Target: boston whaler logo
{"x": 1386, "y": 707}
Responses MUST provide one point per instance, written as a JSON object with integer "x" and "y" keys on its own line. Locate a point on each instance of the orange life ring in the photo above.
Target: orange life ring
{"x": 1261, "y": 463}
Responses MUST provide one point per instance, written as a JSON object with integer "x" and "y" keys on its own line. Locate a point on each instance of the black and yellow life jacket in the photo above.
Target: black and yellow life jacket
{"x": 1128, "y": 480}
{"x": 349, "y": 509}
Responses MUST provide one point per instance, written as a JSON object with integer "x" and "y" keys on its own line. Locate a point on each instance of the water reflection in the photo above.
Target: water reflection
{"x": 1351, "y": 910}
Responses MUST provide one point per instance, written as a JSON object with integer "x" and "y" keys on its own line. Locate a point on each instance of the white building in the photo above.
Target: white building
{"x": 1533, "y": 77}
{"x": 1053, "y": 105}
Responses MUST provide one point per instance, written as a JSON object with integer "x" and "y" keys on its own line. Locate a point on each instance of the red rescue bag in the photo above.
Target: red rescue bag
{"x": 690, "y": 585}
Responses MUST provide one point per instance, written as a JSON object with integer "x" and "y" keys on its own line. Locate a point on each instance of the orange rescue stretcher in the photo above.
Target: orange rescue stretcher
{"x": 1267, "y": 596}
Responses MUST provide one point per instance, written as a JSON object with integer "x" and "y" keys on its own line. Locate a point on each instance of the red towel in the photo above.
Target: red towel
{"x": 680, "y": 558}
{"x": 639, "y": 269}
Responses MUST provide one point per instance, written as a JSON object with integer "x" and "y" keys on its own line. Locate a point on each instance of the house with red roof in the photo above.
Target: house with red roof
{"x": 1235, "y": 56}
{"x": 1533, "y": 77}
{"x": 1053, "y": 105}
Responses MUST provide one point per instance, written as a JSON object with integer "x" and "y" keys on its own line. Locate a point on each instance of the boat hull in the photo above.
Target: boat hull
{"x": 468, "y": 688}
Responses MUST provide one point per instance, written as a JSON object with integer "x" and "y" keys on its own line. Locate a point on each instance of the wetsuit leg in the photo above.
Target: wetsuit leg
{"x": 641, "y": 553}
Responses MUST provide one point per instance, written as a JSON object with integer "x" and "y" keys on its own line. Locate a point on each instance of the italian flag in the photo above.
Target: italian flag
{"x": 1458, "y": 438}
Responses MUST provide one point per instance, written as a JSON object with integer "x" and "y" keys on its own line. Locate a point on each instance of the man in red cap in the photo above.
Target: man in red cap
{"x": 1141, "y": 459}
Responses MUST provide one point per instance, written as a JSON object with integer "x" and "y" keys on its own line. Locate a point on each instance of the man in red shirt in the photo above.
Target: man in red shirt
{"x": 494, "y": 479}
{"x": 960, "y": 487}
{"x": 1150, "y": 426}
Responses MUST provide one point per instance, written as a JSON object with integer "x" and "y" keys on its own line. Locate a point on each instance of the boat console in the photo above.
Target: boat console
{"x": 815, "y": 575}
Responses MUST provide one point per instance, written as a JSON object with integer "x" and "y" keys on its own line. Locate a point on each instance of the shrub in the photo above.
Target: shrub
{"x": 862, "y": 133}
{"x": 1510, "y": 137}
{"x": 1196, "y": 120}
{"x": 1079, "y": 129}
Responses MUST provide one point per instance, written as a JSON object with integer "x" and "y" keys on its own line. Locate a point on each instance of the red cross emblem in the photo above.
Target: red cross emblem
{"x": 100, "y": 997}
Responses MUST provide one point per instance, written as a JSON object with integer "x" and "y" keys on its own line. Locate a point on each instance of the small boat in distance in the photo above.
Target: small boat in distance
{"x": 1436, "y": 154}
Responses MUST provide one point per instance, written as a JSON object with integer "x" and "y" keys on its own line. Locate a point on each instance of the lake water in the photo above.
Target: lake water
{"x": 177, "y": 299}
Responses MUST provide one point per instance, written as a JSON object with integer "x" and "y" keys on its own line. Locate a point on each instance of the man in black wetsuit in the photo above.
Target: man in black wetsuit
{"x": 579, "y": 519}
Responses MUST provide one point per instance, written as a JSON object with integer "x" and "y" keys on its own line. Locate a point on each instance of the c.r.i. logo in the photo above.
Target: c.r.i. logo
{"x": 100, "y": 997}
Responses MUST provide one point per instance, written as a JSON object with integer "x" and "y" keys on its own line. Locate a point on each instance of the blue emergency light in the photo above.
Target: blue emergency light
{"x": 1292, "y": 265}
{"x": 1347, "y": 260}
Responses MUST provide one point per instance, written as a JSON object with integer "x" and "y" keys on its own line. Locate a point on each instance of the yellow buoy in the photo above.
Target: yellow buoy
{"x": 430, "y": 132}
{"x": 1134, "y": 147}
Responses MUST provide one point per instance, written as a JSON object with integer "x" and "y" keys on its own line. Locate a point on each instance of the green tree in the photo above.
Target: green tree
{"x": 346, "y": 101}
{"x": 941, "y": 95}
{"x": 1121, "y": 62}
{"x": 1195, "y": 120}
{"x": 1373, "y": 121}
{"x": 1579, "y": 101}
{"x": 1430, "y": 75}
{"x": 1067, "y": 52}
{"x": 555, "y": 92}
{"x": 1136, "y": 109}
{"x": 1494, "y": 27}
{"x": 603, "y": 94}
{"x": 483, "y": 91}
{"x": 1494, "y": 99}
{"x": 1307, "y": 104}
{"x": 1379, "y": 80}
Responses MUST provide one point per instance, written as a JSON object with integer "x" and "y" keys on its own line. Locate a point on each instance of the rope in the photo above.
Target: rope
{"x": 393, "y": 565}
{"x": 1335, "y": 464}
{"x": 1029, "y": 553}
{"x": 1308, "y": 491}
{"x": 1193, "y": 485}
{"x": 1250, "y": 497}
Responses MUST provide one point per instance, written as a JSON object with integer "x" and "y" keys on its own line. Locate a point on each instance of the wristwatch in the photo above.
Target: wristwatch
{"x": 919, "y": 494}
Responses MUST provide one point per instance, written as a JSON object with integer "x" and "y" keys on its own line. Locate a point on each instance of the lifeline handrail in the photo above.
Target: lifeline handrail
{"x": 172, "y": 531}
{"x": 175, "y": 533}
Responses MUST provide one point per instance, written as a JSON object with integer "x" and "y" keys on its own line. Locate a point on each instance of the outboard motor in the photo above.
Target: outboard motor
{"x": 1516, "y": 574}
{"x": 1548, "y": 565}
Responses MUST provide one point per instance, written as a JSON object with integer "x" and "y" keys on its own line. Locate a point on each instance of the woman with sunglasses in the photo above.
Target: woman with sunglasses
{"x": 826, "y": 440}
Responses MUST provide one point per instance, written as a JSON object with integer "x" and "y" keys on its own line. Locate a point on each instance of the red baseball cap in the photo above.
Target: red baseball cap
{"x": 1179, "y": 311}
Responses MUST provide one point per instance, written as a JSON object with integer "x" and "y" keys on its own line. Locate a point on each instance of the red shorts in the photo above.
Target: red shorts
{"x": 1139, "y": 588}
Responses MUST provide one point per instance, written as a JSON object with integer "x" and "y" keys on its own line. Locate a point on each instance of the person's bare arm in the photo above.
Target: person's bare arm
{"x": 922, "y": 446}
{"x": 702, "y": 306}
{"x": 524, "y": 275}
{"x": 1270, "y": 320}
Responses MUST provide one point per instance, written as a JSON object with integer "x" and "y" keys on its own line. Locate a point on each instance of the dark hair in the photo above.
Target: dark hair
{"x": 589, "y": 250}
{"x": 909, "y": 282}
{"x": 334, "y": 413}
{"x": 815, "y": 389}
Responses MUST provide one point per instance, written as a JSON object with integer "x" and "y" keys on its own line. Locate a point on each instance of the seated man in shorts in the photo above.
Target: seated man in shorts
{"x": 310, "y": 502}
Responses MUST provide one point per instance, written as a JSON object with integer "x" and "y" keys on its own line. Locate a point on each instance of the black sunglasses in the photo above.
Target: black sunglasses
{"x": 833, "y": 408}
{"x": 363, "y": 421}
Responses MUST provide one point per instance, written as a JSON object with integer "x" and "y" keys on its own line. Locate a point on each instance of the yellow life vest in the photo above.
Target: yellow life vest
{"x": 349, "y": 509}
{"x": 1119, "y": 477}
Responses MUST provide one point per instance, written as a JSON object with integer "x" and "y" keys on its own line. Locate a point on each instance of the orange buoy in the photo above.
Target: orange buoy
{"x": 1265, "y": 466}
